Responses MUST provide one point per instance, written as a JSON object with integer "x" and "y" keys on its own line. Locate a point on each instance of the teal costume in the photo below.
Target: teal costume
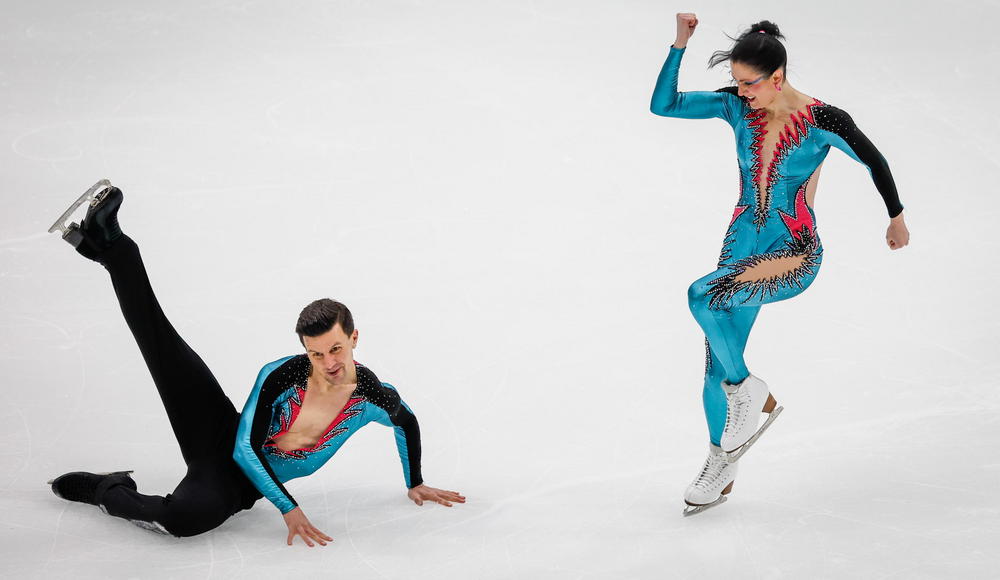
{"x": 772, "y": 224}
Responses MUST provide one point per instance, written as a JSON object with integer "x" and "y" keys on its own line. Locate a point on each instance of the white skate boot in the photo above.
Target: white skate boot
{"x": 712, "y": 485}
{"x": 745, "y": 402}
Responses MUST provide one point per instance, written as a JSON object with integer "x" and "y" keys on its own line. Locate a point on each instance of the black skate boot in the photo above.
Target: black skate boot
{"x": 99, "y": 229}
{"x": 87, "y": 487}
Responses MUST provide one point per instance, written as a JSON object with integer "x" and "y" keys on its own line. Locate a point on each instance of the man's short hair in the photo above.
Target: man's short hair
{"x": 322, "y": 315}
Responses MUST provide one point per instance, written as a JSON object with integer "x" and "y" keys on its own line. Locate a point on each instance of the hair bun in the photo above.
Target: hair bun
{"x": 754, "y": 48}
{"x": 766, "y": 27}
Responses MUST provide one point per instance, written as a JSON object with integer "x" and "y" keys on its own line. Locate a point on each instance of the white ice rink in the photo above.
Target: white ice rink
{"x": 483, "y": 183}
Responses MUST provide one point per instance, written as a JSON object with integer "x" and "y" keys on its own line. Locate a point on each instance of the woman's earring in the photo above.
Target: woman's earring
{"x": 777, "y": 87}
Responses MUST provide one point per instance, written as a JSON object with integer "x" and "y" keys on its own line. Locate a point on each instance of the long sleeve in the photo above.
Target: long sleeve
{"x": 668, "y": 102}
{"x": 252, "y": 434}
{"x": 846, "y": 136}
{"x": 393, "y": 412}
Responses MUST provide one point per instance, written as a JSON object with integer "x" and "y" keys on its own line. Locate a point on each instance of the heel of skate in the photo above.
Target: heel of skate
{"x": 770, "y": 404}
{"x": 73, "y": 235}
{"x": 694, "y": 509}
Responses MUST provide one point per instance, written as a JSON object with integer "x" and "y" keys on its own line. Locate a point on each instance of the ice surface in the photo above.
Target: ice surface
{"x": 483, "y": 184}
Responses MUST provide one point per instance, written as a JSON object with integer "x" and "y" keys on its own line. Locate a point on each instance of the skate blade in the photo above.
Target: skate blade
{"x": 129, "y": 472}
{"x": 692, "y": 510}
{"x": 734, "y": 455}
{"x": 89, "y": 195}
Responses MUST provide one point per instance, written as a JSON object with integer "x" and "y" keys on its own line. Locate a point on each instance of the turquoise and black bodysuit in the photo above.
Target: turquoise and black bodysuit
{"x": 771, "y": 250}
{"x": 218, "y": 481}
{"x": 273, "y": 406}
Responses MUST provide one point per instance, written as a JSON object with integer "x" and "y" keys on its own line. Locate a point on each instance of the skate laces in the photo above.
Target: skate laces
{"x": 737, "y": 403}
{"x": 710, "y": 472}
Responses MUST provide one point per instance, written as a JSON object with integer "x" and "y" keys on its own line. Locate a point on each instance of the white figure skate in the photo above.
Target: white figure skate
{"x": 712, "y": 485}
{"x": 745, "y": 402}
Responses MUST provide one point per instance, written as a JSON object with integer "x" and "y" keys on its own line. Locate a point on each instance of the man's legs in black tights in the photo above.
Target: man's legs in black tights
{"x": 196, "y": 406}
{"x": 201, "y": 415}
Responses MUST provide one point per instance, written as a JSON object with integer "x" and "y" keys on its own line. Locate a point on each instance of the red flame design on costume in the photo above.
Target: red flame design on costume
{"x": 288, "y": 419}
{"x": 294, "y": 405}
{"x": 791, "y": 135}
{"x": 346, "y": 413}
{"x": 737, "y": 213}
{"x": 802, "y": 220}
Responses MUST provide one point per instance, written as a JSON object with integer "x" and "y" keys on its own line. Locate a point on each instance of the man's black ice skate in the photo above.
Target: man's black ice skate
{"x": 87, "y": 487}
{"x": 99, "y": 229}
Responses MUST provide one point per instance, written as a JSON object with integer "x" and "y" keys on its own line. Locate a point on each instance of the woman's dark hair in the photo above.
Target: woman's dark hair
{"x": 322, "y": 315}
{"x": 758, "y": 47}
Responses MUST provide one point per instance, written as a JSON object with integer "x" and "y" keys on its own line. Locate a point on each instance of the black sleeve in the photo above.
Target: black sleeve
{"x": 849, "y": 139}
{"x": 398, "y": 416}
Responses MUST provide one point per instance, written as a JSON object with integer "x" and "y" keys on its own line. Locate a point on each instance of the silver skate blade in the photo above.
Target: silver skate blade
{"x": 692, "y": 510}
{"x": 87, "y": 196}
{"x": 155, "y": 527}
{"x": 733, "y": 456}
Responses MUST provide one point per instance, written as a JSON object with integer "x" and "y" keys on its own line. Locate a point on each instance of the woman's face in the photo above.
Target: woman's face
{"x": 760, "y": 90}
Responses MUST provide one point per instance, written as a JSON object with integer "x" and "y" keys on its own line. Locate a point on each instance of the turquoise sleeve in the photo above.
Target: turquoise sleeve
{"x": 250, "y": 437}
{"x": 668, "y": 102}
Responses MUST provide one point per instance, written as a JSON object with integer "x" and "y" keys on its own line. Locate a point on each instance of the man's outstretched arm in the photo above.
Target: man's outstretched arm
{"x": 397, "y": 414}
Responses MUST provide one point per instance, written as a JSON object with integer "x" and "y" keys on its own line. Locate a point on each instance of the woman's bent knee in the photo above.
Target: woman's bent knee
{"x": 698, "y": 297}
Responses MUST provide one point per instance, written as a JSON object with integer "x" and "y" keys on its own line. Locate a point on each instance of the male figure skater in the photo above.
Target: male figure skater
{"x": 300, "y": 411}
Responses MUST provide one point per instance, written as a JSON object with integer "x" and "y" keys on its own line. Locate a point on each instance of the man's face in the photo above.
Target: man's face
{"x": 332, "y": 355}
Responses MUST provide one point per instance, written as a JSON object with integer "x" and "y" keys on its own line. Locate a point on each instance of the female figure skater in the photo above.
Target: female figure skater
{"x": 298, "y": 414}
{"x": 771, "y": 250}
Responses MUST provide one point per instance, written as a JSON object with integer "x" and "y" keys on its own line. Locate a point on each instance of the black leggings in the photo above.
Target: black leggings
{"x": 203, "y": 418}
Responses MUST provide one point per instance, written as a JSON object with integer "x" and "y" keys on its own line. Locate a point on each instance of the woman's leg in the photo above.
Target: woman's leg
{"x": 726, "y": 303}
{"x": 726, "y": 327}
{"x": 713, "y": 395}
